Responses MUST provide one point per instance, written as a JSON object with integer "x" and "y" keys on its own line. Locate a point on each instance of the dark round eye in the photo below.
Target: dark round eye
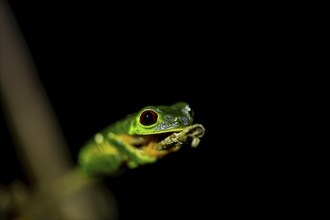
{"x": 148, "y": 117}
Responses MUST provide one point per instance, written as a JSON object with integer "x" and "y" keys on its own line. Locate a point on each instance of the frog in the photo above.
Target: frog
{"x": 140, "y": 138}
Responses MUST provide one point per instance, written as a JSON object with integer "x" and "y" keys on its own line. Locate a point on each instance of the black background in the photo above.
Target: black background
{"x": 99, "y": 62}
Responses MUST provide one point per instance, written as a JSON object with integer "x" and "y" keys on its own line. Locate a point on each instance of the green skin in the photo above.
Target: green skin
{"x": 132, "y": 141}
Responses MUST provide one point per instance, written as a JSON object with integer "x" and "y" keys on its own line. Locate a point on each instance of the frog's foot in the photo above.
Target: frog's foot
{"x": 189, "y": 135}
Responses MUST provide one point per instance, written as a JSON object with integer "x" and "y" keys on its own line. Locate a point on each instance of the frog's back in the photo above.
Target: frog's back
{"x": 120, "y": 127}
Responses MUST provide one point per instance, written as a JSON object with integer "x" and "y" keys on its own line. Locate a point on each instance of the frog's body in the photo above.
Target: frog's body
{"x": 136, "y": 139}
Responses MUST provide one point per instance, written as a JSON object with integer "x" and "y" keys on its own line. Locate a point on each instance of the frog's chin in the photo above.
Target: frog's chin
{"x": 163, "y": 132}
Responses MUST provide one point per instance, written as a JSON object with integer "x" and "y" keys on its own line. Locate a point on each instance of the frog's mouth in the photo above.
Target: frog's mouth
{"x": 161, "y": 144}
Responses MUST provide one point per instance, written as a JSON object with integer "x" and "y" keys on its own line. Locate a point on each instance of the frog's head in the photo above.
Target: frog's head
{"x": 164, "y": 129}
{"x": 162, "y": 119}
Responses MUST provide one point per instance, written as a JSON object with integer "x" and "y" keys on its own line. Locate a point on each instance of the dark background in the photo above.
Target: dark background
{"x": 99, "y": 62}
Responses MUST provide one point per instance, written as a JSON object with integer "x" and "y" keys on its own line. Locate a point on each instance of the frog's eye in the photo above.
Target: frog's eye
{"x": 148, "y": 117}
